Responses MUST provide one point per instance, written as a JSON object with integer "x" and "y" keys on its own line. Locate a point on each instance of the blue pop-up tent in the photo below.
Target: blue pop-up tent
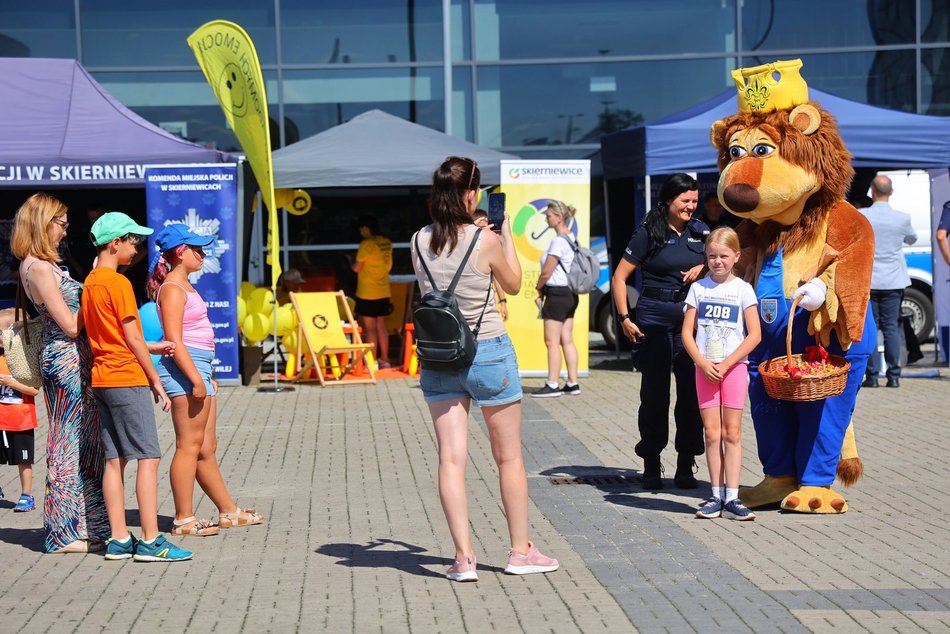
{"x": 880, "y": 138}
{"x": 877, "y": 137}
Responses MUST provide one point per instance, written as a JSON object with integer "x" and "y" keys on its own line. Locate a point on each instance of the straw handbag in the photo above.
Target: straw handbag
{"x": 22, "y": 343}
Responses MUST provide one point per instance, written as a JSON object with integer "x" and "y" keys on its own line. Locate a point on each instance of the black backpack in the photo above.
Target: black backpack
{"x": 443, "y": 339}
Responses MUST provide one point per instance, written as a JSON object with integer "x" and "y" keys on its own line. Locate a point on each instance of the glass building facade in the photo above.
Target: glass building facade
{"x": 535, "y": 78}
{"x": 540, "y": 79}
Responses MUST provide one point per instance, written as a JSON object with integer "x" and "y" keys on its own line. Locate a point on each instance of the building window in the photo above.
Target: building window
{"x": 155, "y": 32}
{"x": 38, "y": 28}
{"x": 523, "y": 29}
{"x": 368, "y": 32}
{"x": 183, "y": 104}
{"x": 565, "y": 104}
{"x": 315, "y": 100}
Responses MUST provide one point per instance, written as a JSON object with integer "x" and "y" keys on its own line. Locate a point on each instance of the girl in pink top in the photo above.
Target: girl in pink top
{"x": 188, "y": 380}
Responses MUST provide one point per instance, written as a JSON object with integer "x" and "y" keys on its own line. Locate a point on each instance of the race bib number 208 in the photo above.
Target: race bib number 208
{"x": 718, "y": 314}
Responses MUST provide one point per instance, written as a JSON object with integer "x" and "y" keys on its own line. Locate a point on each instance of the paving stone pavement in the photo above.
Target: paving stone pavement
{"x": 355, "y": 539}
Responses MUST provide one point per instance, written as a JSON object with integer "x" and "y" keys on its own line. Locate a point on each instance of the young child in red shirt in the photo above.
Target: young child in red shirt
{"x": 17, "y": 422}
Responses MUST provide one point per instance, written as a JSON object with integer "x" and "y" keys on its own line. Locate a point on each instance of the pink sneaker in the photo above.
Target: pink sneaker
{"x": 534, "y": 561}
{"x": 463, "y": 570}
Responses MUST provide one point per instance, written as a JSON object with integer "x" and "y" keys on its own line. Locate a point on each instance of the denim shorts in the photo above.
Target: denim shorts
{"x": 492, "y": 379}
{"x": 174, "y": 380}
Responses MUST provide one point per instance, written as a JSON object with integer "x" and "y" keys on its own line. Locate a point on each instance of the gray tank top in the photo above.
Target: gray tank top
{"x": 473, "y": 285}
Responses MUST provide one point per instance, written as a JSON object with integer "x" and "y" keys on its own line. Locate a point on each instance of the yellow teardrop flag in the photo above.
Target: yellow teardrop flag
{"x": 229, "y": 61}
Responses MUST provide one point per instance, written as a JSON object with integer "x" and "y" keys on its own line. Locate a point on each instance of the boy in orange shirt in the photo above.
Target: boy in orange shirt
{"x": 122, "y": 377}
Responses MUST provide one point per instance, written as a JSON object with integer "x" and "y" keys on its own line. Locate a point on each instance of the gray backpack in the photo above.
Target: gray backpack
{"x": 585, "y": 270}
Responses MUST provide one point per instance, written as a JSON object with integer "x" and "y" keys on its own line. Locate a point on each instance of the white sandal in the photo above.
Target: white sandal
{"x": 240, "y": 517}
{"x": 193, "y": 527}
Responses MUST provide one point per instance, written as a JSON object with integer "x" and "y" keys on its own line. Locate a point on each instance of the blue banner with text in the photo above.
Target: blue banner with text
{"x": 204, "y": 197}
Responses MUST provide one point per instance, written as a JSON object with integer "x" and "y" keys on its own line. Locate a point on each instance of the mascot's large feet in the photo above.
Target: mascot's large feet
{"x": 771, "y": 490}
{"x": 809, "y": 499}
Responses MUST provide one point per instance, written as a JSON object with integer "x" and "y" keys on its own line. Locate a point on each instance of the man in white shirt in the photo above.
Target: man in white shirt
{"x": 889, "y": 278}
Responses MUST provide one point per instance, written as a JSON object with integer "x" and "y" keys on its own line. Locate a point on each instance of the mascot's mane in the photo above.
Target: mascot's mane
{"x": 821, "y": 153}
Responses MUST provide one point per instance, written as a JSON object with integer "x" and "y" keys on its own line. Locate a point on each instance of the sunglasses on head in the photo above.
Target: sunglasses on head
{"x": 134, "y": 238}
{"x": 471, "y": 176}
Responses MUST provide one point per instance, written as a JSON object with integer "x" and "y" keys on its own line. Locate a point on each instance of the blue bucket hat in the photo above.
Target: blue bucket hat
{"x": 175, "y": 235}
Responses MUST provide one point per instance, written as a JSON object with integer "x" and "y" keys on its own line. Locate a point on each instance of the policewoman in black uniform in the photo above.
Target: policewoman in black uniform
{"x": 668, "y": 250}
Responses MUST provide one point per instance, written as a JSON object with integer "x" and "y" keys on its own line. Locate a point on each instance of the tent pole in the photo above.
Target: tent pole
{"x": 276, "y": 387}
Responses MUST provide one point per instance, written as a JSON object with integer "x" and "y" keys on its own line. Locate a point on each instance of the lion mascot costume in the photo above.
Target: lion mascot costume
{"x": 785, "y": 169}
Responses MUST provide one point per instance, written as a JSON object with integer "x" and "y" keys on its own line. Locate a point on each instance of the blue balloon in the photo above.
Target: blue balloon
{"x": 151, "y": 327}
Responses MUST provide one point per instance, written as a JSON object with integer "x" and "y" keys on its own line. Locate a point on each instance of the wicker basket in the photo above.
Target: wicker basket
{"x": 779, "y": 385}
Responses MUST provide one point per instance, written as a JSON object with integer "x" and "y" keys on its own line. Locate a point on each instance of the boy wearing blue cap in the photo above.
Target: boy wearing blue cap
{"x": 122, "y": 377}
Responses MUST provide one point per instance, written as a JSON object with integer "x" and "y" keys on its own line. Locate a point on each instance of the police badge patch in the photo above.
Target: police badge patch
{"x": 768, "y": 309}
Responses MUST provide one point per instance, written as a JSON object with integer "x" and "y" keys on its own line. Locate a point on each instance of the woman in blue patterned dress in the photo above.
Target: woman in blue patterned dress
{"x": 74, "y": 518}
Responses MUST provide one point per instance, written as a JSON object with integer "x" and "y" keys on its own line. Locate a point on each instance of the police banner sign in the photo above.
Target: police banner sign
{"x": 204, "y": 197}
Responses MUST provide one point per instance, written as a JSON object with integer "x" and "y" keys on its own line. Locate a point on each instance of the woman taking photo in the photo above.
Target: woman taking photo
{"x": 492, "y": 380}
{"x": 74, "y": 512}
{"x": 668, "y": 250}
{"x": 558, "y": 302}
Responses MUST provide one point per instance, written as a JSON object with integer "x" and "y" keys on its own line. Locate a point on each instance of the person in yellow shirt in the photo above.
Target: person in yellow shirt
{"x": 374, "y": 261}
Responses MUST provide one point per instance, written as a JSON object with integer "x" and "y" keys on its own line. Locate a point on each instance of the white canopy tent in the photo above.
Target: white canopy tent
{"x": 376, "y": 149}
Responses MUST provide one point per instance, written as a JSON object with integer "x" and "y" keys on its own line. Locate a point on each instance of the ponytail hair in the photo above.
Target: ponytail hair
{"x": 448, "y": 209}
{"x": 159, "y": 271}
{"x": 565, "y": 211}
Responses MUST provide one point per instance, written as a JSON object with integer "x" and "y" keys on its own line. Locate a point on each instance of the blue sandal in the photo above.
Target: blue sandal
{"x": 24, "y": 504}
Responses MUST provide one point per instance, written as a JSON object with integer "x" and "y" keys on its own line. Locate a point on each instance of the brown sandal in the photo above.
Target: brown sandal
{"x": 240, "y": 517}
{"x": 190, "y": 526}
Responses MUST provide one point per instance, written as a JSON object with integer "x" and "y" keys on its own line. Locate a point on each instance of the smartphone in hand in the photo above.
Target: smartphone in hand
{"x": 496, "y": 211}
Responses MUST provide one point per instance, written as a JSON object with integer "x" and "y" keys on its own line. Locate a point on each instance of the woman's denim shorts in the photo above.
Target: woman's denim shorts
{"x": 492, "y": 379}
{"x": 174, "y": 380}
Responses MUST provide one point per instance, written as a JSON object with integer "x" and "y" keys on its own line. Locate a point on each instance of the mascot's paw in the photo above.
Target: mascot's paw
{"x": 810, "y": 499}
{"x": 772, "y": 490}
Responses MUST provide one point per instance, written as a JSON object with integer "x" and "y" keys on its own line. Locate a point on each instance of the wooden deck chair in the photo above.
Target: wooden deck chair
{"x": 322, "y": 340}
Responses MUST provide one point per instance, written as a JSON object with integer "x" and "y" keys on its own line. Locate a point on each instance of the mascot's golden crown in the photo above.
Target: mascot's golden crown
{"x": 770, "y": 87}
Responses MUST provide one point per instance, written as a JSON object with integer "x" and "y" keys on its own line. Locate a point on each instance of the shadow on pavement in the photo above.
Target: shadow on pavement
{"x": 380, "y": 553}
{"x": 651, "y": 501}
{"x": 622, "y": 486}
{"x": 29, "y": 538}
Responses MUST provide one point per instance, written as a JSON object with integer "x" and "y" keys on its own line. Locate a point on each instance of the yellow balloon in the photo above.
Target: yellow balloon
{"x": 290, "y": 342}
{"x": 241, "y": 310}
{"x": 256, "y": 327}
{"x": 286, "y": 320}
{"x": 300, "y": 203}
{"x": 291, "y": 368}
{"x": 261, "y": 300}
{"x": 246, "y": 288}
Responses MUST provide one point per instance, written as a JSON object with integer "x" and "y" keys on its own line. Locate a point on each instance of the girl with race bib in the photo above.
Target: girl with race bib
{"x": 720, "y": 328}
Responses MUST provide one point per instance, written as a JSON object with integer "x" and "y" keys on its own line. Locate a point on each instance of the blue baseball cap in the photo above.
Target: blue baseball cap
{"x": 177, "y": 234}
